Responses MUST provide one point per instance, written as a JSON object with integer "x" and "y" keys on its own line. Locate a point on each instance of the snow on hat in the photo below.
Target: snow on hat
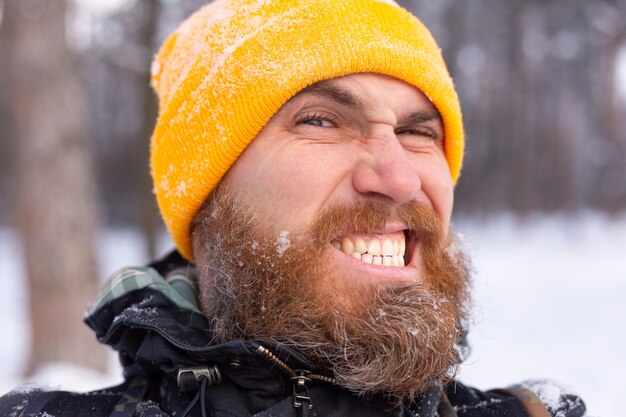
{"x": 229, "y": 67}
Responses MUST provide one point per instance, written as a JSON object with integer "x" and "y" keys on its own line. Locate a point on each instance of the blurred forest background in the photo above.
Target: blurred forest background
{"x": 542, "y": 85}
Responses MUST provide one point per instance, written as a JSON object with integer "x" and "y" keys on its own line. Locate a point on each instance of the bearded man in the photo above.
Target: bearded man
{"x": 304, "y": 161}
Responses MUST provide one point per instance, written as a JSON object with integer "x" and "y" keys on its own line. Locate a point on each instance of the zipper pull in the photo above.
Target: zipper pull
{"x": 301, "y": 397}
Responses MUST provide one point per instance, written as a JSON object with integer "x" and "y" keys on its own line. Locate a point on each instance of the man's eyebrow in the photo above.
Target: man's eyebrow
{"x": 342, "y": 96}
{"x": 333, "y": 92}
{"x": 421, "y": 116}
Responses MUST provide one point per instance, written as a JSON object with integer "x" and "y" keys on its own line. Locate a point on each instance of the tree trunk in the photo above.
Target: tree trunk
{"x": 150, "y": 214}
{"x": 54, "y": 192}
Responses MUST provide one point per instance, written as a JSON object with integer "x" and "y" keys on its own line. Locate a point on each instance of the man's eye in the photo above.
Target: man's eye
{"x": 418, "y": 132}
{"x": 317, "y": 120}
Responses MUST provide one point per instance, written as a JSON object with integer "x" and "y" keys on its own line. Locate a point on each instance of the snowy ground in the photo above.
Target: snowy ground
{"x": 549, "y": 304}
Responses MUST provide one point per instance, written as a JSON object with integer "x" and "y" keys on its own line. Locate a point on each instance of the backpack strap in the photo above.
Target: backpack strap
{"x": 131, "y": 398}
{"x": 37, "y": 403}
{"x": 531, "y": 403}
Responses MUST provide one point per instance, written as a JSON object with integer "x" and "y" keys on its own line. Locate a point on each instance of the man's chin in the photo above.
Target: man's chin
{"x": 392, "y": 339}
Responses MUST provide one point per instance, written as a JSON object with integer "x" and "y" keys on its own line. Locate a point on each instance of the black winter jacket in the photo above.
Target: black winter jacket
{"x": 172, "y": 367}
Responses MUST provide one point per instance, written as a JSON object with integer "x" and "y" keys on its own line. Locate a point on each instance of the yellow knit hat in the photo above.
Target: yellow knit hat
{"x": 227, "y": 69}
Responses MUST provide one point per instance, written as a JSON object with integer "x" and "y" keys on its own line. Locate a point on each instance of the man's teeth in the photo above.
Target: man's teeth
{"x": 372, "y": 250}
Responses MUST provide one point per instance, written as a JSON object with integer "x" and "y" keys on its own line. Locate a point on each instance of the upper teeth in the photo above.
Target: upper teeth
{"x": 387, "y": 250}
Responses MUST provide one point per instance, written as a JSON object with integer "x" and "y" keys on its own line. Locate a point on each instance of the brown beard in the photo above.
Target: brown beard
{"x": 395, "y": 337}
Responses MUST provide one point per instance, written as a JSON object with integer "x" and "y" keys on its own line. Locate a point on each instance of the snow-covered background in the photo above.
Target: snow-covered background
{"x": 549, "y": 292}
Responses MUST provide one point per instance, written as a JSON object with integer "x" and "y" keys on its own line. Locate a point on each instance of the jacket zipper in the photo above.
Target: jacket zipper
{"x": 301, "y": 400}
{"x": 292, "y": 372}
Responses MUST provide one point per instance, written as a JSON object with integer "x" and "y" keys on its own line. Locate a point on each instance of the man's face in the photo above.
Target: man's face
{"x": 303, "y": 240}
{"x": 361, "y": 137}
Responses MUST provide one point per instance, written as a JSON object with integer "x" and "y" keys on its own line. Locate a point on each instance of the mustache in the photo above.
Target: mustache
{"x": 370, "y": 216}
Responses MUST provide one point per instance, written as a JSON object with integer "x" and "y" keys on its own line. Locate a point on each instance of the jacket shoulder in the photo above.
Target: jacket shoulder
{"x": 120, "y": 401}
{"x": 471, "y": 402}
{"x": 21, "y": 402}
{"x": 530, "y": 399}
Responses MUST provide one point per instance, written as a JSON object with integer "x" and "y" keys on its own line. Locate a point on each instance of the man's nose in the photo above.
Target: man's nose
{"x": 386, "y": 171}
